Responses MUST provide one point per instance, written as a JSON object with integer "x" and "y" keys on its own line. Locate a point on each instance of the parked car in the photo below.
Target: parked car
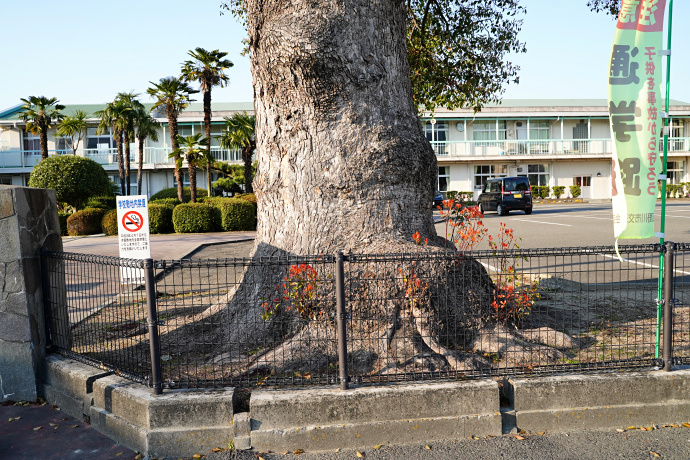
{"x": 506, "y": 194}
{"x": 438, "y": 198}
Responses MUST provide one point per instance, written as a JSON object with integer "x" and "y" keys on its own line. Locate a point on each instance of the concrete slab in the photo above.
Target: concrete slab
{"x": 601, "y": 401}
{"x": 329, "y": 418}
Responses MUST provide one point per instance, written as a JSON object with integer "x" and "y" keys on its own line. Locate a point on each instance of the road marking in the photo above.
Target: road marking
{"x": 540, "y": 222}
{"x": 640, "y": 263}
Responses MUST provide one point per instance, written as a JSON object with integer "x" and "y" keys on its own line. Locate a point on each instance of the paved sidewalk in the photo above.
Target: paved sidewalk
{"x": 168, "y": 246}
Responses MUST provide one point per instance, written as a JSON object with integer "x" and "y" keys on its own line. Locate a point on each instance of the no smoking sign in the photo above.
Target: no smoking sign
{"x": 132, "y": 221}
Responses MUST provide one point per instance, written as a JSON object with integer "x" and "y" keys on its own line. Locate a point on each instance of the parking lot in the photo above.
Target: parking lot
{"x": 582, "y": 224}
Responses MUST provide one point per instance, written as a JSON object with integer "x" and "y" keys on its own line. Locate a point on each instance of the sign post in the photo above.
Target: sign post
{"x": 133, "y": 235}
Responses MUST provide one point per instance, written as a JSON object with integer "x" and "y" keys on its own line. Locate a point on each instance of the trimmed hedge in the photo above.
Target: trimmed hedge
{"x": 247, "y": 197}
{"x": 63, "y": 216}
{"x": 237, "y": 215}
{"x": 102, "y": 202}
{"x": 167, "y": 201}
{"x": 85, "y": 222}
{"x": 109, "y": 222}
{"x": 161, "y": 217}
{"x": 172, "y": 193}
{"x": 558, "y": 190}
{"x": 193, "y": 218}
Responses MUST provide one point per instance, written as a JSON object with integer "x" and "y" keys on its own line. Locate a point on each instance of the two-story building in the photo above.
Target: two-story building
{"x": 553, "y": 142}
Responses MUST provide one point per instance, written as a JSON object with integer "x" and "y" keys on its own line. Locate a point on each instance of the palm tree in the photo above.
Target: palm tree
{"x": 113, "y": 117}
{"x": 146, "y": 127}
{"x": 39, "y": 112}
{"x": 129, "y": 115}
{"x": 72, "y": 129}
{"x": 192, "y": 149}
{"x": 239, "y": 133}
{"x": 208, "y": 69}
{"x": 172, "y": 94}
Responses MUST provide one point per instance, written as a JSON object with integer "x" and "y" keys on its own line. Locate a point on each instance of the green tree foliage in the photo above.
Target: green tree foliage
{"x": 191, "y": 150}
{"x": 207, "y": 68}
{"x": 146, "y": 128}
{"x": 173, "y": 95}
{"x": 113, "y": 117}
{"x": 73, "y": 128}
{"x": 73, "y": 178}
{"x": 239, "y": 134}
{"x": 85, "y": 222}
{"x": 39, "y": 113}
{"x": 611, "y": 7}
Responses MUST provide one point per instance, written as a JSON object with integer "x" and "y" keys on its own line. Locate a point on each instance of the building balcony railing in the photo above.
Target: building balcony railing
{"x": 447, "y": 149}
{"x": 107, "y": 156}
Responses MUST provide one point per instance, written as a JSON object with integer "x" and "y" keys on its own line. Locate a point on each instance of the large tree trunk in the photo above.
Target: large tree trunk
{"x": 247, "y": 159}
{"x": 343, "y": 161}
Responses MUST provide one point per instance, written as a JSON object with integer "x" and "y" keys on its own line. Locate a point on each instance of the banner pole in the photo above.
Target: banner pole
{"x": 662, "y": 220}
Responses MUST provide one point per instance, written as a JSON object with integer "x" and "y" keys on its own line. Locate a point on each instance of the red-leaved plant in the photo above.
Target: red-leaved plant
{"x": 298, "y": 291}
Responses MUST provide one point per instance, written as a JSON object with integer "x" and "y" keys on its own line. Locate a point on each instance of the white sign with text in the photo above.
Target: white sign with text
{"x": 133, "y": 234}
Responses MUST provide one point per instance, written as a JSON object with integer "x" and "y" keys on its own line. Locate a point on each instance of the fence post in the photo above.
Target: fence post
{"x": 153, "y": 327}
{"x": 668, "y": 306}
{"x": 341, "y": 317}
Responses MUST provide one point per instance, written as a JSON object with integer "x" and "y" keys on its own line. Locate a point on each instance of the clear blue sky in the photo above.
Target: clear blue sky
{"x": 88, "y": 51}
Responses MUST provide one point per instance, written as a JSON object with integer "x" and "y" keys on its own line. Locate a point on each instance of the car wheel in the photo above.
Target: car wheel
{"x": 528, "y": 210}
{"x": 501, "y": 210}
{"x": 481, "y": 208}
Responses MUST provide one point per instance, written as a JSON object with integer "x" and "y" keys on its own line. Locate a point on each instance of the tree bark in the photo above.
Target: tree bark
{"x": 247, "y": 159}
{"x": 43, "y": 138}
{"x": 207, "y": 128}
{"x": 172, "y": 124}
{"x": 140, "y": 165}
{"x": 120, "y": 165}
{"x": 343, "y": 161}
{"x": 127, "y": 163}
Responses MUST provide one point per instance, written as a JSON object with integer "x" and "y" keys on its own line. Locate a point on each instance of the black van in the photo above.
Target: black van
{"x": 506, "y": 194}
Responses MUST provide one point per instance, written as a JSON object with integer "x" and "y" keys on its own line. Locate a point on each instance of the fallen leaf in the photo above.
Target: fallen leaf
{"x": 286, "y": 452}
{"x": 360, "y": 455}
{"x": 53, "y": 424}
{"x": 644, "y": 429}
{"x": 377, "y": 446}
{"x": 631, "y": 428}
{"x": 686, "y": 425}
{"x": 337, "y": 450}
{"x": 521, "y": 438}
{"x": 138, "y": 457}
{"x": 672, "y": 425}
{"x": 38, "y": 428}
{"x": 217, "y": 449}
{"x": 119, "y": 453}
{"x": 196, "y": 456}
{"x": 541, "y": 433}
{"x": 428, "y": 447}
{"x": 260, "y": 457}
{"x": 473, "y": 437}
{"x": 12, "y": 419}
{"x": 620, "y": 430}
{"x": 654, "y": 453}
{"x": 75, "y": 426}
{"x": 64, "y": 418}
{"x": 298, "y": 452}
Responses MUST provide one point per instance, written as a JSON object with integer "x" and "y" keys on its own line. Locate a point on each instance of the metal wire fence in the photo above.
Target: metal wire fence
{"x": 419, "y": 316}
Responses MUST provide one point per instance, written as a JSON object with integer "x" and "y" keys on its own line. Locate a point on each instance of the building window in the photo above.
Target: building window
{"x": 31, "y": 142}
{"x": 5, "y": 181}
{"x": 443, "y": 179}
{"x": 132, "y": 184}
{"x": 538, "y": 135}
{"x": 677, "y": 143}
{"x": 62, "y": 146}
{"x": 538, "y": 174}
{"x": 437, "y": 134}
{"x": 99, "y": 141}
{"x": 482, "y": 173}
{"x": 674, "y": 172}
{"x": 489, "y": 130}
{"x": 582, "y": 181}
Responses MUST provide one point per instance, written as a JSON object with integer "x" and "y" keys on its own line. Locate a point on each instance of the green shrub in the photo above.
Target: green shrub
{"x": 73, "y": 178}
{"x": 172, "y": 193}
{"x": 85, "y": 222}
{"x": 193, "y": 218}
{"x": 161, "y": 217}
{"x": 62, "y": 216}
{"x": 247, "y": 197}
{"x": 540, "y": 191}
{"x": 109, "y": 222}
{"x": 558, "y": 190}
{"x": 169, "y": 201}
{"x": 237, "y": 215}
{"x": 575, "y": 191}
{"x": 102, "y": 202}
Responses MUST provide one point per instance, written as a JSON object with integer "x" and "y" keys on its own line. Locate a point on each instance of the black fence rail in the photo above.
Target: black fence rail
{"x": 368, "y": 318}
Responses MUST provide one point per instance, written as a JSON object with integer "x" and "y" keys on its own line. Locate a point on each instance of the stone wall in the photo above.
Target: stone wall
{"x": 28, "y": 221}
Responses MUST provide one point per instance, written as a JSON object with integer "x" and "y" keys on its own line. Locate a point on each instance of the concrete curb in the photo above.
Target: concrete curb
{"x": 600, "y": 401}
{"x": 322, "y": 419}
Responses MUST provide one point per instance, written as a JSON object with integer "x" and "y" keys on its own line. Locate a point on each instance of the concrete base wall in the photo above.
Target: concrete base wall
{"x": 602, "y": 401}
{"x": 360, "y": 417}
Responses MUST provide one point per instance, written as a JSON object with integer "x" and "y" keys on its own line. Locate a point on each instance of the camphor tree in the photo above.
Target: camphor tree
{"x": 343, "y": 162}
{"x": 173, "y": 95}
{"x": 39, "y": 113}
